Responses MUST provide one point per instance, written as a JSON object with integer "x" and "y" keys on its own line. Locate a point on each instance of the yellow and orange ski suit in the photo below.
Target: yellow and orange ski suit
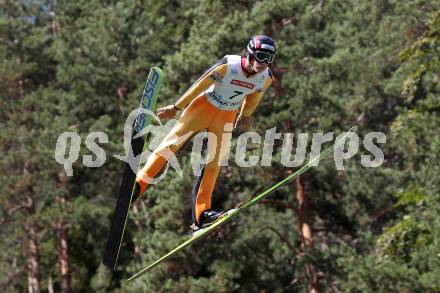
{"x": 204, "y": 109}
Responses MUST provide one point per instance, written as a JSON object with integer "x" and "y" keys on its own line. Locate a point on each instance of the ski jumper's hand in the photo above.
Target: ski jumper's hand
{"x": 167, "y": 112}
{"x": 243, "y": 123}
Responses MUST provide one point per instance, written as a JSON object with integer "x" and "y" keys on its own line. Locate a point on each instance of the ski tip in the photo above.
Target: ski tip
{"x": 157, "y": 69}
{"x": 353, "y": 129}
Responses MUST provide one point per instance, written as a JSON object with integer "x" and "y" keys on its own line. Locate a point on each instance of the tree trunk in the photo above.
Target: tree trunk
{"x": 32, "y": 256}
{"x": 63, "y": 254}
{"x": 64, "y": 258}
{"x": 32, "y": 260}
{"x": 306, "y": 232}
{"x": 50, "y": 288}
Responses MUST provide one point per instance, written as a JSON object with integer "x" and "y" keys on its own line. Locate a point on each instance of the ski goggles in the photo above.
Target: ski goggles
{"x": 263, "y": 56}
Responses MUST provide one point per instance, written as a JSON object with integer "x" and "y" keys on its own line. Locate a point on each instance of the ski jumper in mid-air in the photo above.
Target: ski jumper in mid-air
{"x": 226, "y": 94}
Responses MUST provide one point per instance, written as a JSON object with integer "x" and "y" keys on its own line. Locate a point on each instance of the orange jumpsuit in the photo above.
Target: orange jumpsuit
{"x": 214, "y": 100}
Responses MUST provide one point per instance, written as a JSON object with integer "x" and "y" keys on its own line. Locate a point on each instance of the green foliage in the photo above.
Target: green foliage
{"x": 80, "y": 66}
{"x": 404, "y": 237}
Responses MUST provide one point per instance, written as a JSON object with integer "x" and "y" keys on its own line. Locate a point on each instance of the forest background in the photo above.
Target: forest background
{"x": 81, "y": 65}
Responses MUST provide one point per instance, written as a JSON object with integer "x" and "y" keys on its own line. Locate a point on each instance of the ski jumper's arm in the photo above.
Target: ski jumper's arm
{"x": 251, "y": 101}
{"x": 212, "y": 75}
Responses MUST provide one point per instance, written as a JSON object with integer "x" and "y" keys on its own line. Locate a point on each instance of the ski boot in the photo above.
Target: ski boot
{"x": 207, "y": 218}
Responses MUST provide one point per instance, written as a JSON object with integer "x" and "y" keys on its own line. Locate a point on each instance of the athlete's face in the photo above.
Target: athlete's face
{"x": 259, "y": 67}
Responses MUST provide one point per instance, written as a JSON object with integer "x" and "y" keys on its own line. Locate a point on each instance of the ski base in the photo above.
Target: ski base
{"x": 119, "y": 220}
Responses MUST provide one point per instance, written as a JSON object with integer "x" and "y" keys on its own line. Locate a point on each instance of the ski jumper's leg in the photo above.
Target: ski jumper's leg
{"x": 192, "y": 120}
{"x": 219, "y": 140}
